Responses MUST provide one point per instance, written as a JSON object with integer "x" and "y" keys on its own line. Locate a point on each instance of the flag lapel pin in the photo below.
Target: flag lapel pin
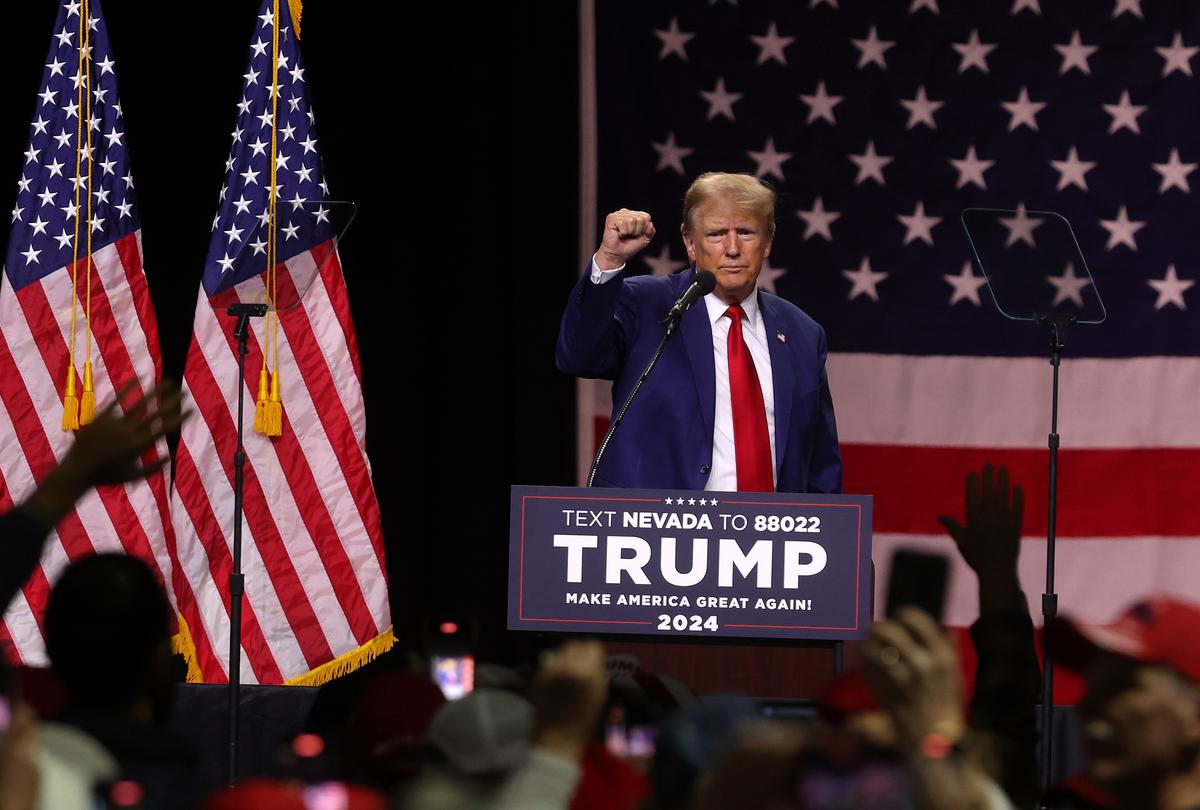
{"x": 781, "y": 337}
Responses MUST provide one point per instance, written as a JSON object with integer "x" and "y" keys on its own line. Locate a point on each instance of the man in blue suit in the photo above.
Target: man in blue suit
{"x": 739, "y": 400}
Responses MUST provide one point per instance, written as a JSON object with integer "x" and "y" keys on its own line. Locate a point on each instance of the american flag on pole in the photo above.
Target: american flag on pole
{"x": 879, "y": 123}
{"x": 75, "y": 181}
{"x": 316, "y": 602}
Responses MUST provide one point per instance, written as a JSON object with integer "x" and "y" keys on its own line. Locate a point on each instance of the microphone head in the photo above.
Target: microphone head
{"x": 706, "y": 280}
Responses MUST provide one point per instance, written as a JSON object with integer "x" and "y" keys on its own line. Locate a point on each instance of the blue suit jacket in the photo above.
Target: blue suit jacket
{"x": 610, "y": 331}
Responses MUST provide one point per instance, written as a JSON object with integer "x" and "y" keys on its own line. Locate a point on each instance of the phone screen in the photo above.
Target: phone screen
{"x": 918, "y": 579}
{"x": 455, "y": 675}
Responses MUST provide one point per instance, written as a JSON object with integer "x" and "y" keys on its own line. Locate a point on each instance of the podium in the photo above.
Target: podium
{"x": 712, "y": 567}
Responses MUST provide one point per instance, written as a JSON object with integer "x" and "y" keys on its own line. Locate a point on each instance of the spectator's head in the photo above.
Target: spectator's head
{"x": 108, "y": 634}
{"x": 1141, "y": 714}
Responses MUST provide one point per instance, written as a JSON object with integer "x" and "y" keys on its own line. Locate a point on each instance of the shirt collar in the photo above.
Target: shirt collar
{"x": 717, "y": 306}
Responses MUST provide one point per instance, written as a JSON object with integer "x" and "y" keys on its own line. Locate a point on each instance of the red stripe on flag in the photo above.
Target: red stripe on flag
{"x": 190, "y": 488}
{"x": 1102, "y": 493}
{"x": 131, "y": 260}
{"x": 330, "y": 268}
{"x": 319, "y": 381}
{"x": 6, "y": 639}
{"x": 211, "y": 404}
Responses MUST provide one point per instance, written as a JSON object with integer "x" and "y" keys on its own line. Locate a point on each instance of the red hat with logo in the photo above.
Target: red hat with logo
{"x": 1160, "y": 631}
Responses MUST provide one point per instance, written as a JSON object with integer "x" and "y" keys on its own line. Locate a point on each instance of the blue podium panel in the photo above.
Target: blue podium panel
{"x": 696, "y": 564}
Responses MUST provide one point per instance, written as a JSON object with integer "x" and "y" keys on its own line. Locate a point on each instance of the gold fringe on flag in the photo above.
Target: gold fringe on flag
{"x": 297, "y": 10}
{"x": 347, "y": 663}
{"x": 182, "y": 643}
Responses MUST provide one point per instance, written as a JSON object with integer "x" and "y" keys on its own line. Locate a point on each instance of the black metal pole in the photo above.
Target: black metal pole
{"x": 241, "y": 331}
{"x": 1050, "y": 598}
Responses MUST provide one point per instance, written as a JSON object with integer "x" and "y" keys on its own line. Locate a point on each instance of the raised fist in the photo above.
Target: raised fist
{"x": 625, "y": 234}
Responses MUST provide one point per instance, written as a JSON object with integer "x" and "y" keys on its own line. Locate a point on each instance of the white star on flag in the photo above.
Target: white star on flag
{"x": 1121, "y": 230}
{"x": 817, "y": 220}
{"x": 870, "y": 165}
{"x": 1068, "y": 286}
{"x": 1022, "y": 111}
{"x": 771, "y": 45}
{"x": 971, "y": 168}
{"x": 917, "y": 5}
{"x": 966, "y": 285}
{"x": 1020, "y": 5}
{"x": 769, "y": 275}
{"x": 1075, "y": 55}
{"x": 1177, "y": 57}
{"x": 1020, "y": 227}
{"x": 673, "y": 40}
{"x": 872, "y": 49}
{"x": 918, "y": 225}
{"x": 1124, "y": 114}
{"x": 720, "y": 101}
{"x": 662, "y": 264}
{"x": 863, "y": 281}
{"x": 1170, "y": 289}
{"x": 821, "y": 104}
{"x": 671, "y": 154}
{"x": 1133, "y": 7}
{"x": 1174, "y": 173}
{"x": 973, "y": 52}
{"x": 921, "y": 109}
{"x": 1072, "y": 170}
{"x": 769, "y": 161}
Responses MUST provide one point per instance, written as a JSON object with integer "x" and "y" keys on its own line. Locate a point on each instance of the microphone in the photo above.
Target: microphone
{"x": 705, "y": 283}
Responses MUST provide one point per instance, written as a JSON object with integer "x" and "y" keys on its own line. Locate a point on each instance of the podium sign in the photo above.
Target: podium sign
{"x": 696, "y": 564}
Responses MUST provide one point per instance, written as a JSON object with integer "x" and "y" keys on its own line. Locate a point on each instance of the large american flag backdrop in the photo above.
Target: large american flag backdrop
{"x": 879, "y": 123}
{"x": 316, "y": 602}
{"x": 50, "y": 215}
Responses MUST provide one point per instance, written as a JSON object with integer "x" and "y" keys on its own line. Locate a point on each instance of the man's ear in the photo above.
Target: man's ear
{"x": 688, "y": 244}
{"x": 767, "y": 249}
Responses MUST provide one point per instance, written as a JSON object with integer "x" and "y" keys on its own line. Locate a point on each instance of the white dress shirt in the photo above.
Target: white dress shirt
{"x": 723, "y": 476}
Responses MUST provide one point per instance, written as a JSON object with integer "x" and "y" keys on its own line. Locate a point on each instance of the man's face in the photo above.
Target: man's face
{"x": 1140, "y": 724}
{"x": 730, "y": 243}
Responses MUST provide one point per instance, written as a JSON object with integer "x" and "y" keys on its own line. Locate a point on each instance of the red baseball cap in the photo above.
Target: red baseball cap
{"x": 1160, "y": 631}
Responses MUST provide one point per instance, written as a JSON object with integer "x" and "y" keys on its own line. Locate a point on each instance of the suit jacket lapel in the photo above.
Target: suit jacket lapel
{"x": 783, "y": 374}
{"x": 696, "y": 332}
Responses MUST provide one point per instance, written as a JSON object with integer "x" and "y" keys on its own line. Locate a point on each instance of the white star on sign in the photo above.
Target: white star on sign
{"x": 966, "y": 285}
{"x": 1018, "y": 5}
{"x": 821, "y": 104}
{"x": 1178, "y": 56}
{"x": 769, "y": 161}
{"x": 1068, "y": 285}
{"x": 663, "y": 264}
{"x": 918, "y": 226}
{"x": 720, "y": 101}
{"x": 1170, "y": 289}
{"x": 1174, "y": 173}
{"x": 1022, "y": 111}
{"x": 970, "y": 169}
{"x": 1124, "y": 114}
{"x": 817, "y": 220}
{"x": 872, "y": 49}
{"x": 1133, "y": 7}
{"x": 921, "y": 109}
{"x": 673, "y": 40}
{"x": 1075, "y": 55}
{"x": 864, "y": 280}
{"x": 973, "y": 52}
{"x": 670, "y": 154}
{"x": 1020, "y": 227}
{"x": 1121, "y": 230}
{"x": 1072, "y": 170}
{"x": 870, "y": 165}
{"x": 771, "y": 45}
{"x": 768, "y": 276}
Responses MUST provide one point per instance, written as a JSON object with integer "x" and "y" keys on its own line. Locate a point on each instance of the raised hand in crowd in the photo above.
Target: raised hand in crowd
{"x": 568, "y": 696}
{"x": 625, "y": 234}
{"x": 990, "y": 541}
{"x": 915, "y": 674}
{"x": 18, "y": 761}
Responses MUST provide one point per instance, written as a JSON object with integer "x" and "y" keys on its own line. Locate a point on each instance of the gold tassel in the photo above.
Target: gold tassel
{"x": 87, "y": 402}
{"x": 274, "y": 418}
{"x": 348, "y": 662}
{"x": 260, "y": 404}
{"x": 70, "y": 420}
{"x": 297, "y": 10}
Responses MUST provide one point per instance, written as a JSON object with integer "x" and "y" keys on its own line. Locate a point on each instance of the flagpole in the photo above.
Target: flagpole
{"x": 241, "y": 332}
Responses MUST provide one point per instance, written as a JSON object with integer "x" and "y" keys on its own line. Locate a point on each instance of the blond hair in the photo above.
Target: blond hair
{"x": 746, "y": 192}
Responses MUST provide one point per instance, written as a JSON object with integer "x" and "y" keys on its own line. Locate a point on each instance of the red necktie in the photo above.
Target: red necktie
{"x": 751, "y": 441}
